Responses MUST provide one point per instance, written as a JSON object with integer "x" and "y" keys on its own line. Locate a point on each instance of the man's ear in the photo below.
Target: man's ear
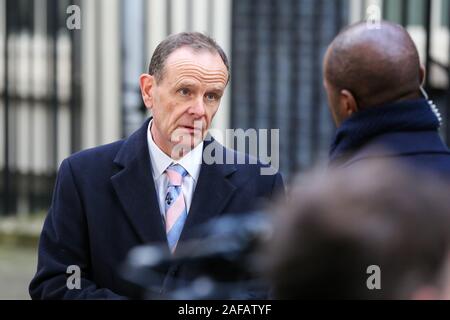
{"x": 146, "y": 83}
{"x": 348, "y": 103}
{"x": 422, "y": 75}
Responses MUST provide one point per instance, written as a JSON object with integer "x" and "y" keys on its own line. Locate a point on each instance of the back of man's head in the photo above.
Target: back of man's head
{"x": 375, "y": 64}
{"x": 336, "y": 226}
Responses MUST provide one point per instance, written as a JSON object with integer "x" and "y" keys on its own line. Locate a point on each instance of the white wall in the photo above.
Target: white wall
{"x": 2, "y": 110}
{"x": 101, "y": 109}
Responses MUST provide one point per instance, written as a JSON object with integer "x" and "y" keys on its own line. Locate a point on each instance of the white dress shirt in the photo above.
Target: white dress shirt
{"x": 160, "y": 162}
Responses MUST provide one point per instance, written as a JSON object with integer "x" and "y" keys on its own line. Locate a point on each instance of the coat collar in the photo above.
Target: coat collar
{"x": 368, "y": 125}
{"x": 399, "y": 144}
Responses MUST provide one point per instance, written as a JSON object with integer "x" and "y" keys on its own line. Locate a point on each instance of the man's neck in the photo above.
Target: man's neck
{"x": 167, "y": 149}
{"x": 392, "y": 100}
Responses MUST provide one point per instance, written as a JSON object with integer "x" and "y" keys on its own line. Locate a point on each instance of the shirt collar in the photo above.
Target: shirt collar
{"x": 160, "y": 161}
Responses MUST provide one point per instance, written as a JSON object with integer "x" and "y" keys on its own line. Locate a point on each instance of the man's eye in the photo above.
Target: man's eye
{"x": 184, "y": 92}
{"x": 212, "y": 97}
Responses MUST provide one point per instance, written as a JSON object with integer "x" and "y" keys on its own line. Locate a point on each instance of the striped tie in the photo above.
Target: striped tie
{"x": 176, "y": 212}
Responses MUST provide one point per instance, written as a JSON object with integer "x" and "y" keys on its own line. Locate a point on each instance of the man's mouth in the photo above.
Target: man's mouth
{"x": 191, "y": 129}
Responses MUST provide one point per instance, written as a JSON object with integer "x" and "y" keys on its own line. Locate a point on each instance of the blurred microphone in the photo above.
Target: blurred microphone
{"x": 224, "y": 251}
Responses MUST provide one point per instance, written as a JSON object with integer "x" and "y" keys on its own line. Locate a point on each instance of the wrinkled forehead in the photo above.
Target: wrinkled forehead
{"x": 203, "y": 66}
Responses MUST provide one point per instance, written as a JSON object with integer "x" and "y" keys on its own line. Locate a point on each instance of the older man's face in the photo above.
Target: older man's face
{"x": 185, "y": 101}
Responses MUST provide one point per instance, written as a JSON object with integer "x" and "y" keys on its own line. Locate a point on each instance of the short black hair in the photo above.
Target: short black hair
{"x": 377, "y": 65}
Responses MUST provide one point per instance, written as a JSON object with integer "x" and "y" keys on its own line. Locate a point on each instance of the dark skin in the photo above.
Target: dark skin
{"x": 366, "y": 67}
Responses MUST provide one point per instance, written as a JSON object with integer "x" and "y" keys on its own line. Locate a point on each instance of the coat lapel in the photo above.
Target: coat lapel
{"x": 135, "y": 187}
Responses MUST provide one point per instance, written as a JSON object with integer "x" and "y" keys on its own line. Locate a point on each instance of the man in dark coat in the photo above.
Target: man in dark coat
{"x": 373, "y": 80}
{"x": 154, "y": 187}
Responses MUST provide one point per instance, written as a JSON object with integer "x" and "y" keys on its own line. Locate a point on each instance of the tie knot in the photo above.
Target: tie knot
{"x": 176, "y": 173}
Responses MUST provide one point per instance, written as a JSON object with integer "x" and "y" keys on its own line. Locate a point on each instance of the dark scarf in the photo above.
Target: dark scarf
{"x": 411, "y": 115}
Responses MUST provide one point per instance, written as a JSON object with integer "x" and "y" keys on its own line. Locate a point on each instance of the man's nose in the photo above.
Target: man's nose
{"x": 198, "y": 107}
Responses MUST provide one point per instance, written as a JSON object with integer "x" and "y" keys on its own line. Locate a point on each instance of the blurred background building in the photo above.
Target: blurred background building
{"x": 65, "y": 90}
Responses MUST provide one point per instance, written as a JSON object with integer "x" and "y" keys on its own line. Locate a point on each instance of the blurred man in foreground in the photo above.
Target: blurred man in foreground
{"x": 374, "y": 232}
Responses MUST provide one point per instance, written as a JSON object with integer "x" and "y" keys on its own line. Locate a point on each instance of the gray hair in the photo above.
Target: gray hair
{"x": 194, "y": 40}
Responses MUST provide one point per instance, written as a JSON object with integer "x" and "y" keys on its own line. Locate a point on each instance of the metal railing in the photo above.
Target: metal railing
{"x": 41, "y": 89}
